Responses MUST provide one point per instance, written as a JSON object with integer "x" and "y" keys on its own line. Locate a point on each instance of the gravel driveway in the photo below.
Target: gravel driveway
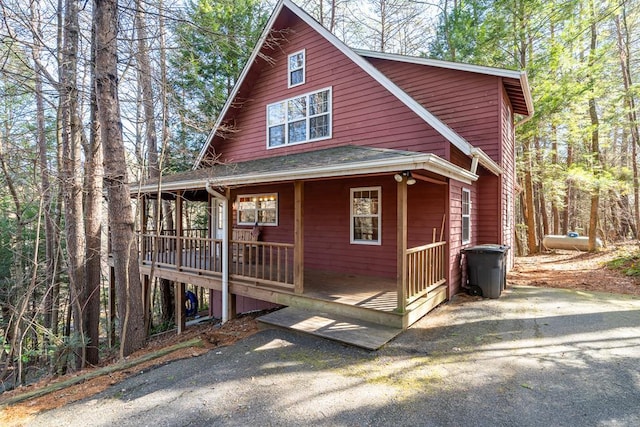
{"x": 534, "y": 357}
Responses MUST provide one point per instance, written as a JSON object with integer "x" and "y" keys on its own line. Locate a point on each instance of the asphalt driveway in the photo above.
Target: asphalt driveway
{"x": 534, "y": 357}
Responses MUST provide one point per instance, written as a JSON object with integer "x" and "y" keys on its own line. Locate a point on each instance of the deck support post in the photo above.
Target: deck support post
{"x": 181, "y": 315}
{"x": 228, "y": 299}
{"x": 146, "y": 301}
{"x": 179, "y": 231}
{"x": 143, "y": 225}
{"x": 298, "y": 238}
{"x": 401, "y": 276}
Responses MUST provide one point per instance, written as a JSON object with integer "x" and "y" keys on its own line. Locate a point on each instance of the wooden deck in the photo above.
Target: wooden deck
{"x": 265, "y": 271}
{"x": 373, "y": 293}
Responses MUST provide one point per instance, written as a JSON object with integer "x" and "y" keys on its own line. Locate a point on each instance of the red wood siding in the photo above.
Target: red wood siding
{"x": 488, "y": 208}
{"x": 455, "y": 231}
{"x": 283, "y": 232}
{"x": 243, "y": 304}
{"x": 327, "y": 222}
{"x": 508, "y": 179}
{"x": 363, "y": 113}
{"x": 458, "y": 158}
{"x": 468, "y": 103}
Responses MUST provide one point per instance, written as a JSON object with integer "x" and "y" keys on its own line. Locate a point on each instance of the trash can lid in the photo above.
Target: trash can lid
{"x": 487, "y": 248}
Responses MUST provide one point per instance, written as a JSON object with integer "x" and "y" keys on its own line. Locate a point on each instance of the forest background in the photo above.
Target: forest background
{"x": 63, "y": 125}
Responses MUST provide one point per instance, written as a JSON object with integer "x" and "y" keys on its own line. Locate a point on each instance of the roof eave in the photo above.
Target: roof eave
{"x": 526, "y": 90}
{"x": 429, "y": 162}
{"x": 480, "y": 69}
{"x": 487, "y": 162}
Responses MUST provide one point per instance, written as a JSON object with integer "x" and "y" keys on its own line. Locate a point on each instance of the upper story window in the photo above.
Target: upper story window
{"x": 300, "y": 119}
{"x": 296, "y": 68}
{"x": 261, "y": 209}
{"x": 366, "y": 218}
{"x": 466, "y": 216}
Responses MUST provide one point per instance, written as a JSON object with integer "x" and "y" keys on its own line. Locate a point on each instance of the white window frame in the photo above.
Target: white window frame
{"x": 256, "y": 209}
{"x": 287, "y": 121}
{"x": 302, "y": 67}
{"x": 465, "y": 203}
{"x": 353, "y": 240}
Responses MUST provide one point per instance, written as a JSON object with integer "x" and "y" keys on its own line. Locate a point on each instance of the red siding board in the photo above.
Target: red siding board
{"x": 327, "y": 222}
{"x": 243, "y": 304}
{"x": 466, "y": 102}
{"x": 363, "y": 113}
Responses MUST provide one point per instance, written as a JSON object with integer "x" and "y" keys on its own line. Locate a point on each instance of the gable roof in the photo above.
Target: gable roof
{"x": 515, "y": 82}
{"x": 449, "y": 134}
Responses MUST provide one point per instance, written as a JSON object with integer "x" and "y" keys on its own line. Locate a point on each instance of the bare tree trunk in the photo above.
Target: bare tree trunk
{"x": 566, "y": 225}
{"x": 555, "y": 212}
{"x": 121, "y": 219}
{"x": 166, "y": 286}
{"x": 595, "y": 142}
{"x": 629, "y": 100}
{"x": 542, "y": 203}
{"x": 94, "y": 172}
{"x": 71, "y": 173}
{"x": 51, "y": 239}
{"x": 528, "y": 206}
{"x": 144, "y": 80}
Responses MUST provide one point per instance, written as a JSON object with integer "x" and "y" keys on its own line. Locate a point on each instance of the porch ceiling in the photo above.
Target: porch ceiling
{"x": 347, "y": 160}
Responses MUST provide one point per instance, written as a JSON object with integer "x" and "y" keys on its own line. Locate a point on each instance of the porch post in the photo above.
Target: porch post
{"x": 401, "y": 276}
{"x": 181, "y": 315}
{"x": 146, "y": 301}
{"x": 179, "y": 231}
{"x": 143, "y": 226}
{"x": 298, "y": 238}
{"x": 229, "y": 299}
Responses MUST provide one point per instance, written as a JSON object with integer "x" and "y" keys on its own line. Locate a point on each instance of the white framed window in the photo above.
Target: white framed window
{"x": 257, "y": 208}
{"x": 301, "y": 119}
{"x": 296, "y": 68}
{"x": 366, "y": 215}
{"x": 466, "y": 216}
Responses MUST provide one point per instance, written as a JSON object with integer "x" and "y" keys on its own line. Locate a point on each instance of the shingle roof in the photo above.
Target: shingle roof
{"x": 338, "y": 161}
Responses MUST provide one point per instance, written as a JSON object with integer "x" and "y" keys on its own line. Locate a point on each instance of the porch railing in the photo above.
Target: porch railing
{"x": 196, "y": 254}
{"x": 261, "y": 263}
{"x": 425, "y": 269}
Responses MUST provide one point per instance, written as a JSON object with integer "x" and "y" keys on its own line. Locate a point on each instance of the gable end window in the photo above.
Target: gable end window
{"x": 366, "y": 220}
{"x": 301, "y": 119}
{"x": 296, "y": 74}
{"x": 261, "y": 209}
{"x": 466, "y": 216}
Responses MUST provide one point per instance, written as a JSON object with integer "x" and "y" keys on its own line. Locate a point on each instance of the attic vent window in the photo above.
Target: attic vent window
{"x": 296, "y": 68}
{"x": 301, "y": 119}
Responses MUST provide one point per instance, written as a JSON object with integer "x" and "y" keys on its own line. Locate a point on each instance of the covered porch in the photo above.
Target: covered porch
{"x": 305, "y": 259}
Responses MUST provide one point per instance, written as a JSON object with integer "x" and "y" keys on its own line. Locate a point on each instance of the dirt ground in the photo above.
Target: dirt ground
{"x": 577, "y": 270}
{"x": 558, "y": 269}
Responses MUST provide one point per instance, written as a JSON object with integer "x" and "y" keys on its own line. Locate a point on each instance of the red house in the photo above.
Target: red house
{"x": 343, "y": 180}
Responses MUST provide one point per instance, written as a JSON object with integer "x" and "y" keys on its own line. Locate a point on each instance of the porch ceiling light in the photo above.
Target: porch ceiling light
{"x": 406, "y": 174}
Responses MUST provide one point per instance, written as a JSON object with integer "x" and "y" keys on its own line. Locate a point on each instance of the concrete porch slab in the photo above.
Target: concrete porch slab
{"x": 343, "y": 329}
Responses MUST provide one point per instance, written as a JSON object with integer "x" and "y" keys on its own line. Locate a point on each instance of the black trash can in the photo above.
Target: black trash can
{"x": 487, "y": 268}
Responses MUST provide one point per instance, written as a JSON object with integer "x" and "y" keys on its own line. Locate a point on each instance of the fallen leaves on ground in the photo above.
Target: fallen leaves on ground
{"x": 212, "y": 335}
{"x": 577, "y": 270}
